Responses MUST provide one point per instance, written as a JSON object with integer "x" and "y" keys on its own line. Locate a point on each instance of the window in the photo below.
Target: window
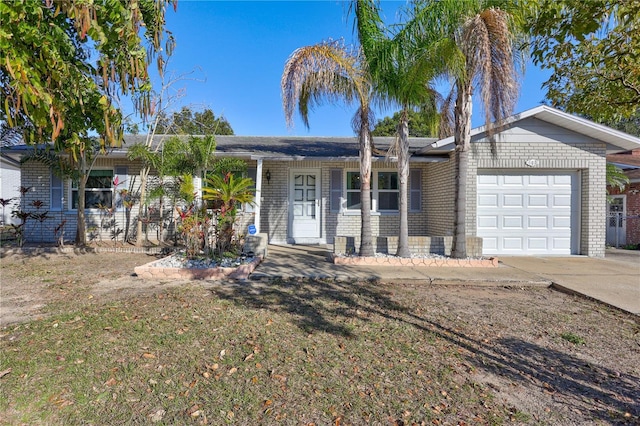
{"x": 98, "y": 191}
{"x": 336, "y": 189}
{"x": 56, "y": 193}
{"x": 388, "y": 191}
{"x": 353, "y": 191}
{"x": 385, "y": 191}
{"x": 252, "y": 173}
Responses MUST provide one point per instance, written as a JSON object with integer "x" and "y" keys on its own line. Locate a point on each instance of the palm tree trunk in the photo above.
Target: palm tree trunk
{"x": 462, "y": 138}
{"x": 366, "y": 238}
{"x": 144, "y": 173}
{"x": 403, "y": 178}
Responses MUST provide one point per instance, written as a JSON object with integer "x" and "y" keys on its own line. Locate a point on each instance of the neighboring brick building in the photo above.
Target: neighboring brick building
{"x": 625, "y": 203}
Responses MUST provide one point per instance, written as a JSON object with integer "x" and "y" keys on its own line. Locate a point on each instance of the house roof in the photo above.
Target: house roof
{"x": 629, "y": 162}
{"x": 294, "y": 147}
{"x": 616, "y": 140}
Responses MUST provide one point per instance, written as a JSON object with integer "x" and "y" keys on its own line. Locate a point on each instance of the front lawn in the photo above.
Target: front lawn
{"x": 317, "y": 352}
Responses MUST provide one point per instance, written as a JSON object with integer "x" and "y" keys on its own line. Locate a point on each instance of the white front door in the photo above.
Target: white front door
{"x": 304, "y": 206}
{"x": 616, "y": 223}
{"x": 528, "y": 212}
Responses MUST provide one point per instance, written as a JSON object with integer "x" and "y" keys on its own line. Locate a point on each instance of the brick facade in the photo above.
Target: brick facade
{"x": 527, "y": 145}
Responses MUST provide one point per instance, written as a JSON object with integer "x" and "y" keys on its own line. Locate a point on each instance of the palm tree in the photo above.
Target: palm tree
{"x": 401, "y": 68}
{"x": 483, "y": 38}
{"x": 227, "y": 192}
{"x": 329, "y": 72}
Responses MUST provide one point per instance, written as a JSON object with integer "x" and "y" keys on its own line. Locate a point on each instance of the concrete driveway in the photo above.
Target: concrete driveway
{"x": 614, "y": 280}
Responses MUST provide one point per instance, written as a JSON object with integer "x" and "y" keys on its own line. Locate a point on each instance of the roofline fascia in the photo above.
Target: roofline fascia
{"x": 533, "y": 112}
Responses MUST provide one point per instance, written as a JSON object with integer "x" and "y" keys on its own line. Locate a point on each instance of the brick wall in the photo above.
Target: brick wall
{"x": 585, "y": 155}
{"x": 418, "y": 245}
{"x": 633, "y": 212}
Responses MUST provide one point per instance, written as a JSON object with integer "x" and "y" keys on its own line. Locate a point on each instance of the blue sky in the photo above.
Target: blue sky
{"x": 237, "y": 51}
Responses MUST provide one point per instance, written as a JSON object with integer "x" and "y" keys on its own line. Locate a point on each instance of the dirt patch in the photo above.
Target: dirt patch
{"x": 561, "y": 359}
{"x": 33, "y": 284}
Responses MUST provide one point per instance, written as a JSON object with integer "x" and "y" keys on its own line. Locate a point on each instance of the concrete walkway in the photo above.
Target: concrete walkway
{"x": 614, "y": 280}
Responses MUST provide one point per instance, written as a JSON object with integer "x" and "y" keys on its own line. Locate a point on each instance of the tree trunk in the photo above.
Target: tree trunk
{"x": 462, "y": 137}
{"x": 144, "y": 173}
{"x": 366, "y": 238}
{"x": 81, "y": 226}
{"x": 403, "y": 180}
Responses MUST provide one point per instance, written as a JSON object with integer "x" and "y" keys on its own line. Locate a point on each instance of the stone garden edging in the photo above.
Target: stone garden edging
{"x": 491, "y": 262}
{"x": 149, "y": 271}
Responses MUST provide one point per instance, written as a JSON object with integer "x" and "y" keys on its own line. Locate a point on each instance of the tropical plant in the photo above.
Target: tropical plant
{"x": 227, "y": 192}
{"x": 483, "y": 39}
{"x": 616, "y": 178}
{"x": 330, "y": 72}
{"x": 401, "y": 67}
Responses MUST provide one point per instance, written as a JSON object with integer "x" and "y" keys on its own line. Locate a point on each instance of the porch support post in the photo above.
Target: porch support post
{"x": 258, "y": 199}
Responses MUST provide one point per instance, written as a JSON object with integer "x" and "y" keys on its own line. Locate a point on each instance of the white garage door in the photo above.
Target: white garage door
{"x": 527, "y": 213}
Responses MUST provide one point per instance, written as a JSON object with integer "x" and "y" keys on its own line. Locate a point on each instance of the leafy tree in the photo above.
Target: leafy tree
{"x": 419, "y": 125}
{"x": 483, "y": 39}
{"x": 330, "y": 72}
{"x": 187, "y": 122}
{"x": 401, "y": 71}
{"x": 46, "y": 45}
{"x": 592, "y": 49}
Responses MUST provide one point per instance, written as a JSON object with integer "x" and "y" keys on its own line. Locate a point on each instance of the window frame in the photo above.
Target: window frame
{"x": 56, "y": 193}
{"x": 73, "y": 189}
{"x": 375, "y": 192}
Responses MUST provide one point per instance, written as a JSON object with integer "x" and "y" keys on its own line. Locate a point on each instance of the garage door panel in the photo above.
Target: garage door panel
{"x": 488, "y": 200}
{"x": 562, "y": 200}
{"x": 513, "y": 180}
{"x": 538, "y": 180}
{"x": 488, "y": 180}
{"x": 537, "y": 200}
{"x": 562, "y": 180}
{"x": 512, "y": 243}
{"x": 537, "y": 222}
{"x": 537, "y": 243}
{"x": 561, "y": 244}
{"x": 561, "y": 222}
{"x": 526, "y": 212}
{"x": 512, "y": 222}
{"x": 512, "y": 200}
{"x": 488, "y": 222}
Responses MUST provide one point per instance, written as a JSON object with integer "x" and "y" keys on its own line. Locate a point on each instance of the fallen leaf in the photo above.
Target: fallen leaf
{"x": 157, "y": 416}
{"x": 248, "y": 357}
{"x": 110, "y": 382}
{"x": 148, "y": 355}
{"x": 233, "y": 370}
{"x": 5, "y": 372}
{"x": 222, "y": 353}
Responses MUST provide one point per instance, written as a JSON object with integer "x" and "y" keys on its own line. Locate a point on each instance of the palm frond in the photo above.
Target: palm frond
{"x": 324, "y": 72}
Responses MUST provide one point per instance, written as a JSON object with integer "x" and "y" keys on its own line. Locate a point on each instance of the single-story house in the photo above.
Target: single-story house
{"x": 9, "y": 176}
{"x": 542, "y": 193}
{"x": 623, "y": 209}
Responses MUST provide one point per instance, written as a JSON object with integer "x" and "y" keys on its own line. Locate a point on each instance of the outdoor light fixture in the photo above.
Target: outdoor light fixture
{"x": 268, "y": 176}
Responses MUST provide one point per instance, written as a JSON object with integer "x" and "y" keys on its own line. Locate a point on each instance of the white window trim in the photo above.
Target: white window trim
{"x": 374, "y": 193}
{"x": 412, "y": 192}
{"x": 87, "y": 209}
{"x": 51, "y": 193}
